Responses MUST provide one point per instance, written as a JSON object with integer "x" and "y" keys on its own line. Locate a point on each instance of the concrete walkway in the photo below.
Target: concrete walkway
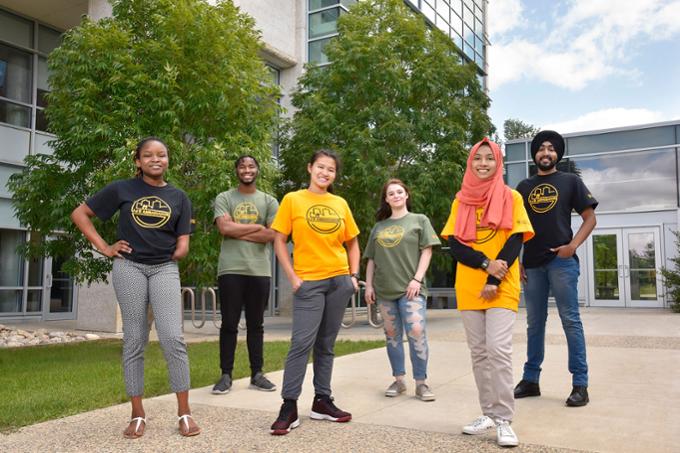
{"x": 634, "y": 358}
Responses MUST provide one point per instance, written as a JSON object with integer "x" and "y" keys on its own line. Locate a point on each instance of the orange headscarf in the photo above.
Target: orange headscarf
{"x": 492, "y": 194}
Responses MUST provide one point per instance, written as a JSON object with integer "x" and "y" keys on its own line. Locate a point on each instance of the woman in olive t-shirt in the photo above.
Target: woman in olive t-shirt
{"x": 399, "y": 252}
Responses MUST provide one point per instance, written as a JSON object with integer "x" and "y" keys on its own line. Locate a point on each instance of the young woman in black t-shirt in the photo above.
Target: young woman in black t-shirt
{"x": 153, "y": 234}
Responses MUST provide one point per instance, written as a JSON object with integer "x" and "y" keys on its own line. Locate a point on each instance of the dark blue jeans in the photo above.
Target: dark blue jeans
{"x": 561, "y": 276}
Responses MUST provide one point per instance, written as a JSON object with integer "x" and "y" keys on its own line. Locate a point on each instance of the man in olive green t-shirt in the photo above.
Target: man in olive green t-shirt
{"x": 243, "y": 216}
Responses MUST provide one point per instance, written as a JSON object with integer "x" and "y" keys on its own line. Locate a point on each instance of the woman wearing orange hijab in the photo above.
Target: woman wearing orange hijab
{"x": 485, "y": 231}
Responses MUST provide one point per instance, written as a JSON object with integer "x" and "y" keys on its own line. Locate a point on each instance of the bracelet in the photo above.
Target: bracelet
{"x": 416, "y": 280}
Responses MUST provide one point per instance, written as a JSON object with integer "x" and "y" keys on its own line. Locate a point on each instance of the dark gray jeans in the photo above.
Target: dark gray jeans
{"x": 318, "y": 308}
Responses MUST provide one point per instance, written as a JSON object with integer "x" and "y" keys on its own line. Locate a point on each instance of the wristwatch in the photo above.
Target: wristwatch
{"x": 355, "y": 275}
{"x": 485, "y": 263}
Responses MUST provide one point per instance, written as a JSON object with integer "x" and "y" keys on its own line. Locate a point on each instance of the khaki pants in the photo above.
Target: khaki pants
{"x": 489, "y": 337}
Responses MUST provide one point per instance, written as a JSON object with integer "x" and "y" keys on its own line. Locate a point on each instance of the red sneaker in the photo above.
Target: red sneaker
{"x": 324, "y": 409}
{"x": 287, "y": 419}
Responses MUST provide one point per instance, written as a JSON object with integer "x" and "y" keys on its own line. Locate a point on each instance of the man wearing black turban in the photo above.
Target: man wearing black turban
{"x": 550, "y": 263}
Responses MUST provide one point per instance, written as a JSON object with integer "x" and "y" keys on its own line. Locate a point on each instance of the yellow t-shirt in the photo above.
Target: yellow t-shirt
{"x": 320, "y": 225}
{"x": 469, "y": 281}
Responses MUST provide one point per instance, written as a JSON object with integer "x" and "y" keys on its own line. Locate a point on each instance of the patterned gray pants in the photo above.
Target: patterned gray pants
{"x": 137, "y": 285}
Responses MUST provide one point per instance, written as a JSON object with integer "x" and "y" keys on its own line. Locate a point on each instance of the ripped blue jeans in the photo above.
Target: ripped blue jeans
{"x": 399, "y": 315}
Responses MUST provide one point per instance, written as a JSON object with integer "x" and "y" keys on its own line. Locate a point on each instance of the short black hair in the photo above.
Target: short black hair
{"x": 244, "y": 157}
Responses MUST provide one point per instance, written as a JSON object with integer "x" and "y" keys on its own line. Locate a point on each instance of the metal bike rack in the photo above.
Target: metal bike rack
{"x": 193, "y": 311}
{"x": 372, "y": 311}
{"x": 374, "y": 317}
{"x": 353, "y": 312}
{"x": 204, "y": 293}
{"x": 192, "y": 299}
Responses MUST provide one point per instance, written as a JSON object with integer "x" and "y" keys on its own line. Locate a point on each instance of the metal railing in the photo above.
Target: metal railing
{"x": 372, "y": 311}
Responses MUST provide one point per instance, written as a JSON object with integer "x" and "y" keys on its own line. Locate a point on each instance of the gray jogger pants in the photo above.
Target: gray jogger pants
{"x": 318, "y": 308}
{"x": 137, "y": 285}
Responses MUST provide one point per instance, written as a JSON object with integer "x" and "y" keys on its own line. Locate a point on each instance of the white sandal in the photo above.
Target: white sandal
{"x": 135, "y": 434}
{"x": 188, "y": 433}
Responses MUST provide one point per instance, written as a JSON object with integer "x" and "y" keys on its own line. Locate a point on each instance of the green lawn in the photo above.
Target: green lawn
{"x": 47, "y": 382}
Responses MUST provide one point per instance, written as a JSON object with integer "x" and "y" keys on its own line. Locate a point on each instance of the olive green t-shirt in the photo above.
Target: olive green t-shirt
{"x": 394, "y": 246}
{"x": 239, "y": 256}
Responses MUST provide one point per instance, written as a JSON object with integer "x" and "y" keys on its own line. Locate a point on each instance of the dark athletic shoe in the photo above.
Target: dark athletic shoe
{"x": 578, "y": 397}
{"x": 260, "y": 382}
{"x": 287, "y": 419}
{"x": 223, "y": 385}
{"x": 526, "y": 388}
{"x": 324, "y": 409}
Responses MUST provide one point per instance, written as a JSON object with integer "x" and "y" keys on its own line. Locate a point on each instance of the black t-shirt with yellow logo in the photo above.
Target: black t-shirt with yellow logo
{"x": 549, "y": 200}
{"x": 151, "y": 218}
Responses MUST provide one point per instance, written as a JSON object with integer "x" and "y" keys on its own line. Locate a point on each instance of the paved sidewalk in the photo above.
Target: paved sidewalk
{"x": 634, "y": 357}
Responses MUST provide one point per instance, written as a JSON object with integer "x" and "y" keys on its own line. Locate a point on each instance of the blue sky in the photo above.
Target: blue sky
{"x": 578, "y": 65}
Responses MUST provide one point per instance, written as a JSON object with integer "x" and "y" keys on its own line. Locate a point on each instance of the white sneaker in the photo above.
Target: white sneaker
{"x": 480, "y": 425}
{"x": 506, "y": 437}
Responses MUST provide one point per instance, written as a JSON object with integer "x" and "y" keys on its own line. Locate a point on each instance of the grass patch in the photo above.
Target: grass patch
{"x": 48, "y": 382}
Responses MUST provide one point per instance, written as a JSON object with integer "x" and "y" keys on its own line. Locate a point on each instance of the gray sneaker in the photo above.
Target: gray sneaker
{"x": 223, "y": 385}
{"x": 424, "y": 393}
{"x": 395, "y": 389}
{"x": 260, "y": 382}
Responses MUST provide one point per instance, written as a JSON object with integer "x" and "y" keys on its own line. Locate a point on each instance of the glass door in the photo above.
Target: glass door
{"x": 641, "y": 264}
{"x": 59, "y": 291}
{"x": 624, "y": 267}
{"x": 606, "y": 289}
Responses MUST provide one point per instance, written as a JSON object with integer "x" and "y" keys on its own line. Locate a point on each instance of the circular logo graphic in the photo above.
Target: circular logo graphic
{"x": 246, "y": 212}
{"x": 543, "y": 198}
{"x": 391, "y": 236}
{"x": 150, "y": 212}
{"x": 484, "y": 234}
{"x": 323, "y": 219}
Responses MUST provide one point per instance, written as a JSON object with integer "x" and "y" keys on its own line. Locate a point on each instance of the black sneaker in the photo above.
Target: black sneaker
{"x": 578, "y": 397}
{"x": 223, "y": 385}
{"x": 260, "y": 382}
{"x": 324, "y": 409}
{"x": 287, "y": 419}
{"x": 526, "y": 388}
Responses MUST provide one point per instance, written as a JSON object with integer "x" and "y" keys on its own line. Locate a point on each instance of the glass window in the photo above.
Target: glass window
{"x": 479, "y": 45}
{"x": 468, "y": 35}
{"x": 457, "y": 24}
{"x": 469, "y": 51}
{"x": 479, "y": 28}
{"x": 616, "y": 180}
{"x": 17, "y": 115}
{"x": 479, "y": 60}
{"x": 620, "y": 140}
{"x": 5, "y": 173}
{"x": 324, "y": 22}
{"x": 348, "y": 3}
{"x": 43, "y": 84}
{"x": 34, "y": 300}
{"x": 15, "y": 74}
{"x": 442, "y": 24}
{"x": 457, "y": 39}
{"x": 318, "y": 4}
{"x": 468, "y": 18}
{"x": 316, "y": 53}
{"x": 563, "y": 165}
{"x": 15, "y": 29}
{"x": 11, "y": 264}
{"x": 428, "y": 10}
{"x": 48, "y": 39}
{"x": 515, "y": 173}
{"x": 443, "y": 9}
{"x": 10, "y": 300}
{"x": 515, "y": 151}
{"x": 457, "y": 7}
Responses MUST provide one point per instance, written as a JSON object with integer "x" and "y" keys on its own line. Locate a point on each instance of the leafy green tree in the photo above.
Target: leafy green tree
{"x": 395, "y": 102}
{"x": 182, "y": 70}
{"x": 514, "y": 129}
{"x": 671, "y": 278}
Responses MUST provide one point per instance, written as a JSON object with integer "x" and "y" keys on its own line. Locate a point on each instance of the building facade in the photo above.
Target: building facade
{"x": 29, "y": 30}
{"x": 634, "y": 174}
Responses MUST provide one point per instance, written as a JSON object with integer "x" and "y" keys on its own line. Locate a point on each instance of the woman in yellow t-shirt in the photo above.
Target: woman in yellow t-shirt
{"x": 485, "y": 232}
{"x": 324, "y": 276}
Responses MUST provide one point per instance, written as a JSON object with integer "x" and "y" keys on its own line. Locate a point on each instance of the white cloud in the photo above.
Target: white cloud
{"x": 591, "y": 41}
{"x": 503, "y": 16}
{"x": 607, "y": 118}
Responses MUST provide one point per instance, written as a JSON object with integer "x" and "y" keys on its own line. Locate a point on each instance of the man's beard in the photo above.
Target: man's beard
{"x": 546, "y": 167}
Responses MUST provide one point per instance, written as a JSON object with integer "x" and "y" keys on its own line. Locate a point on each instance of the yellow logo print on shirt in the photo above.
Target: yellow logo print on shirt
{"x": 543, "y": 198}
{"x": 391, "y": 236}
{"x": 246, "y": 212}
{"x": 150, "y": 212}
{"x": 323, "y": 219}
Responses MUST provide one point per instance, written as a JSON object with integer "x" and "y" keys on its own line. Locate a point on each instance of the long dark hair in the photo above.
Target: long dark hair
{"x": 384, "y": 210}
{"x": 326, "y": 153}
{"x": 140, "y": 146}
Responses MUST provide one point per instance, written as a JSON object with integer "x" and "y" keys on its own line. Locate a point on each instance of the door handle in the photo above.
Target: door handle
{"x": 626, "y": 270}
{"x": 621, "y": 273}
{"x": 48, "y": 280}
